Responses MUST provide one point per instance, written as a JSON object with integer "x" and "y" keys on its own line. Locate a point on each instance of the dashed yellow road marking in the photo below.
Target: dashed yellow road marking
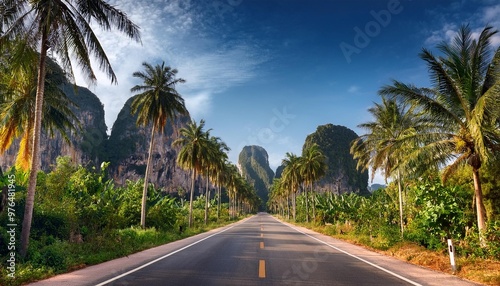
{"x": 262, "y": 269}
{"x": 261, "y": 245}
{"x": 261, "y": 235}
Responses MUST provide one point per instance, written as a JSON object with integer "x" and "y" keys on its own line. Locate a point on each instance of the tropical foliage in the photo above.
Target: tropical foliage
{"x": 64, "y": 28}
{"x": 463, "y": 106}
{"x": 80, "y": 215}
{"x": 438, "y": 146}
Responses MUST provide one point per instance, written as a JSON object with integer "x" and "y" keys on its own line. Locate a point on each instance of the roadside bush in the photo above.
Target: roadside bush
{"x": 49, "y": 253}
{"x": 163, "y": 215}
{"x": 471, "y": 246}
{"x": 440, "y": 214}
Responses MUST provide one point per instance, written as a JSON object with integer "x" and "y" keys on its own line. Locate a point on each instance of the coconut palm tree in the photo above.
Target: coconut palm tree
{"x": 233, "y": 184}
{"x": 17, "y": 89}
{"x": 464, "y": 103}
{"x": 193, "y": 141}
{"x": 216, "y": 167}
{"x": 386, "y": 142}
{"x": 312, "y": 167}
{"x": 292, "y": 178}
{"x": 64, "y": 28}
{"x": 157, "y": 102}
{"x": 211, "y": 157}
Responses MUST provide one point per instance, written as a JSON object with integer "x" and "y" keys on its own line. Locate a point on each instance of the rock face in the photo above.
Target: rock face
{"x": 86, "y": 145}
{"x": 128, "y": 147}
{"x": 253, "y": 163}
{"x": 342, "y": 175}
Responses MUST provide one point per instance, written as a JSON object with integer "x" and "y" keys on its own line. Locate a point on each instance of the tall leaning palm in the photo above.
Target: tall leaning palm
{"x": 62, "y": 26}
{"x": 312, "y": 168}
{"x": 464, "y": 102}
{"x": 193, "y": 141}
{"x": 385, "y": 144}
{"x": 157, "y": 102}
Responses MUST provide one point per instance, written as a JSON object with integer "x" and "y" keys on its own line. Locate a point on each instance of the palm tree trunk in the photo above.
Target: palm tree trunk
{"x": 307, "y": 205}
{"x": 481, "y": 211}
{"x": 294, "y": 205}
{"x": 219, "y": 192}
{"x": 207, "y": 196}
{"x": 400, "y": 190}
{"x": 288, "y": 207}
{"x": 146, "y": 178}
{"x": 35, "y": 148}
{"x": 313, "y": 203}
{"x": 190, "y": 220}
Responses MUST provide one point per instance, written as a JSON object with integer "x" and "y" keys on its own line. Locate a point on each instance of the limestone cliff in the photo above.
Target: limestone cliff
{"x": 253, "y": 163}
{"x": 86, "y": 144}
{"x": 128, "y": 146}
{"x": 341, "y": 176}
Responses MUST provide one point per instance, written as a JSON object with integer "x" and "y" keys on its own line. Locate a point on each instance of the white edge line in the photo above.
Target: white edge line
{"x": 354, "y": 256}
{"x": 163, "y": 257}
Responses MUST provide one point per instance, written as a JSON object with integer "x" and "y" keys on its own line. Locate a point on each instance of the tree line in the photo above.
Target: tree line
{"x": 424, "y": 137}
{"x": 31, "y": 99}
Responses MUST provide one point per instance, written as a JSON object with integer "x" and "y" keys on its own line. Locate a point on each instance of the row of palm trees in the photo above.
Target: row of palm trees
{"x": 28, "y": 31}
{"x": 420, "y": 130}
{"x": 206, "y": 155}
{"x": 157, "y": 102}
{"x": 299, "y": 173}
{"x": 454, "y": 123}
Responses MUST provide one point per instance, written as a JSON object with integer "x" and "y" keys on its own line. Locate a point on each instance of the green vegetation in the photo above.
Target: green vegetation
{"x": 65, "y": 32}
{"x": 440, "y": 147}
{"x": 433, "y": 213}
{"x": 80, "y": 216}
{"x": 439, "y": 144}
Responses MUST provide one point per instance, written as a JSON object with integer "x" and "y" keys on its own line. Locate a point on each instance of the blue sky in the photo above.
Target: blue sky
{"x": 268, "y": 72}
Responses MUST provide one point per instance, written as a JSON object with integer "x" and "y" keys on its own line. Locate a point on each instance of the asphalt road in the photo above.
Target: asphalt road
{"x": 259, "y": 251}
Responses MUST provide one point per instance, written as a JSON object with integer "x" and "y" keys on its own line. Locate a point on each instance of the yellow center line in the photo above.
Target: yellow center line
{"x": 262, "y": 269}
{"x": 261, "y": 245}
{"x": 261, "y": 235}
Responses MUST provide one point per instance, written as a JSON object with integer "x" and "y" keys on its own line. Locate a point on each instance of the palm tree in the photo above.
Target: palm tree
{"x": 64, "y": 28}
{"x": 17, "y": 87}
{"x": 193, "y": 141}
{"x": 386, "y": 142}
{"x": 292, "y": 178}
{"x": 210, "y": 159}
{"x": 157, "y": 102}
{"x": 233, "y": 184}
{"x": 312, "y": 168}
{"x": 215, "y": 168}
{"x": 464, "y": 103}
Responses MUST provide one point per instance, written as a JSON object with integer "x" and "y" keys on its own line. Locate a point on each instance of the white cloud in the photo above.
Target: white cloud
{"x": 491, "y": 14}
{"x": 446, "y": 34}
{"x": 198, "y": 104}
{"x": 486, "y": 16}
{"x": 175, "y": 32}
